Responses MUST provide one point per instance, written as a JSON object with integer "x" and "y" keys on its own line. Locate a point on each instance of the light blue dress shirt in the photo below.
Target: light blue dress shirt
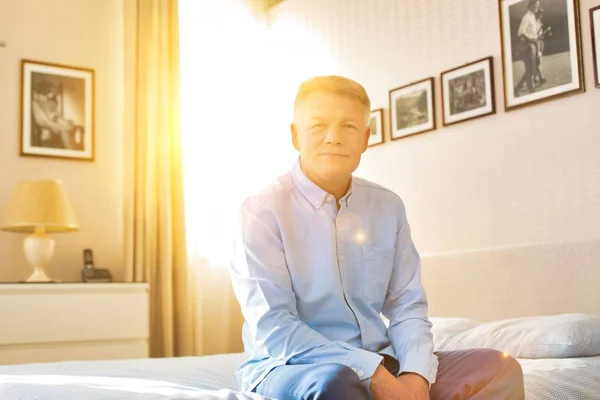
{"x": 312, "y": 281}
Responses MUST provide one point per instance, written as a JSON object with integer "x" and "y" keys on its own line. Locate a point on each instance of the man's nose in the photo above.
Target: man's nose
{"x": 334, "y": 135}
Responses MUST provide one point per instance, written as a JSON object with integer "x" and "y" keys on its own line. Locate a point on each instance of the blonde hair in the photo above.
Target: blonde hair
{"x": 337, "y": 85}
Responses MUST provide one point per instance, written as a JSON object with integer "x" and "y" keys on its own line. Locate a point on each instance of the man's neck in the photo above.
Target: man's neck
{"x": 337, "y": 187}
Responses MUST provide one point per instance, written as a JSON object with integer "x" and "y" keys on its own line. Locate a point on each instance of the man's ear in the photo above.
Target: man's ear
{"x": 294, "y": 132}
{"x": 366, "y": 139}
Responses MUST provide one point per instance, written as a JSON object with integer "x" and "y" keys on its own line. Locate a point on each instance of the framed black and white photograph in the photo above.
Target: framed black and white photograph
{"x": 376, "y": 125}
{"x": 468, "y": 92}
{"x": 595, "y": 27}
{"x": 412, "y": 109}
{"x": 57, "y": 111}
{"x": 541, "y": 50}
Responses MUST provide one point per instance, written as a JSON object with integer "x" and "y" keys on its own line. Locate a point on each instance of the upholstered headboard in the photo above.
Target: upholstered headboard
{"x": 511, "y": 282}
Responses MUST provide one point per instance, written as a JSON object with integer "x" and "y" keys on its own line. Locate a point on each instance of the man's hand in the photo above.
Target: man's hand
{"x": 418, "y": 386}
{"x": 384, "y": 386}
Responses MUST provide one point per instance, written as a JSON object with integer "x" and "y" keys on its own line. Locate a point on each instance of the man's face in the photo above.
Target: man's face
{"x": 331, "y": 133}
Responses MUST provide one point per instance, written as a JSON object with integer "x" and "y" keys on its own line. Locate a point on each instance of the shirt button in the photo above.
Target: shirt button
{"x": 360, "y": 373}
{"x": 341, "y": 258}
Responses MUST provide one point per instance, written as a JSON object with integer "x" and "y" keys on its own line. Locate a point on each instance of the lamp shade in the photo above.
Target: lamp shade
{"x": 40, "y": 204}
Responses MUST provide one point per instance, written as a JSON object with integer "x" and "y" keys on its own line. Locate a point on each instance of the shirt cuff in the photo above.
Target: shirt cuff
{"x": 364, "y": 363}
{"x": 416, "y": 361}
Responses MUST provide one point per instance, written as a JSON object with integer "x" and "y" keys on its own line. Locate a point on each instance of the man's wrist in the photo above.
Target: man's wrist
{"x": 414, "y": 376}
{"x": 382, "y": 378}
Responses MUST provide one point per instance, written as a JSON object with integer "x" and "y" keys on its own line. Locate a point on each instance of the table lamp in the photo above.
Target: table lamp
{"x": 39, "y": 207}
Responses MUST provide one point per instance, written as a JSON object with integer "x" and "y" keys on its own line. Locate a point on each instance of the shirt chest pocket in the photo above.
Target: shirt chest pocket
{"x": 378, "y": 263}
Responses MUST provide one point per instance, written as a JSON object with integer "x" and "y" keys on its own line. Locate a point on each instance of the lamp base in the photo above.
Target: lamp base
{"x": 39, "y": 248}
{"x": 38, "y": 275}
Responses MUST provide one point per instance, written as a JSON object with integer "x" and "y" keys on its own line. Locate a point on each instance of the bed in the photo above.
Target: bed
{"x": 510, "y": 290}
{"x": 526, "y": 281}
{"x": 211, "y": 378}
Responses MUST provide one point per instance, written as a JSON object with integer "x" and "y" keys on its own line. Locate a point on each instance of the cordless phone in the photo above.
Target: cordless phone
{"x": 90, "y": 273}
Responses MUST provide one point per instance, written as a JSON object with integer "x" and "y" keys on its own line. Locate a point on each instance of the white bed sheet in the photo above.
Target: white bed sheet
{"x": 212, "y": 378}
{"x": 208, "y": 377}
{"x": 562, "y": 378}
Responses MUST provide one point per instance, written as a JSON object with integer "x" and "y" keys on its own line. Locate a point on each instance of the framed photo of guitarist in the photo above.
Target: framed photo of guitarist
{"x": 541, "y": 50}
{"x": 595, "y": 27}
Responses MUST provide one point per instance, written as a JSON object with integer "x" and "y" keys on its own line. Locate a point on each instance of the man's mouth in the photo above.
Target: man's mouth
{"x": 334, "y": 155}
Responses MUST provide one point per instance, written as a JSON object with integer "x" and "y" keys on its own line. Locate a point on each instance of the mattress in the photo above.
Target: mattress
{"x": 212, "y": 378}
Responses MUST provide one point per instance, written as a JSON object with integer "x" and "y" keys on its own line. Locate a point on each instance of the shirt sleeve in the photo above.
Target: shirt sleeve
{"x": 527, "y": 27}
{"x": 263, "y": 287}
{"x": 406, "y": 308}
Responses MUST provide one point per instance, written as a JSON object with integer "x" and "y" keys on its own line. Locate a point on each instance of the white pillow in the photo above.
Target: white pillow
{"x": 553, "y": 336}
{"x": 444, "y": 328}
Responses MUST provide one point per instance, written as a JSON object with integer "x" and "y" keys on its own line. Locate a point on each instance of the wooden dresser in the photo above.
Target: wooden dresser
{"x": 73, "y": 321}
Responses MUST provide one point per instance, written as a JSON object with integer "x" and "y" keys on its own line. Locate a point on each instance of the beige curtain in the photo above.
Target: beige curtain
{"x": 217, "y": 316}
{"x": 155, "y": 249}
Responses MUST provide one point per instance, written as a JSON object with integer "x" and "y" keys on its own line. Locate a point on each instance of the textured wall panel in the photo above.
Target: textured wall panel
{"x": 527, "y": 176}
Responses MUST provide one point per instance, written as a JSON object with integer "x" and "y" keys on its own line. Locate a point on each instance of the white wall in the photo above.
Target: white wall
{"x": 83, "y": 33}
{"x": 526, "y": 176}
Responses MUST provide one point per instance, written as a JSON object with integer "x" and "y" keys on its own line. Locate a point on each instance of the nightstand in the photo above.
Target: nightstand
{"x": 48, "y": 322}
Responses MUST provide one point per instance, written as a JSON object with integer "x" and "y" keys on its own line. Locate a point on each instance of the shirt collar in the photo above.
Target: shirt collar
{"x": 313, "y": 193}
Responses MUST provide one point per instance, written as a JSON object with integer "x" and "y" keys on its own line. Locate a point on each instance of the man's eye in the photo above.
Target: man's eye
{"x": 318, "y": 126}
{"x": 349, "y": 126}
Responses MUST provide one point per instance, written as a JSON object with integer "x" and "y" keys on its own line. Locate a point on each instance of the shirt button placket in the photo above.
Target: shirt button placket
{"x": 340, "y": 239}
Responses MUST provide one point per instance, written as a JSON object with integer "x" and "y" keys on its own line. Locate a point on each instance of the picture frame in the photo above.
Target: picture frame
{"x": 376, "y": 125}
{"x": 468, "y": 92}
{"x": 595, "y": 31}
{"x": 57, "y": 111}
{"x": 541, "y": 51}
{"x": 412, "y": 109}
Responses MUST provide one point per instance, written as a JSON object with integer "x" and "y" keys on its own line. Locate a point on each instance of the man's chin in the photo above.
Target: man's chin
{"x": 339, "y": 168}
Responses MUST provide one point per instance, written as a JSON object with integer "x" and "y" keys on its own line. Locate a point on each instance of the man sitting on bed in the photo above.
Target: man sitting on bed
{"x": 320, "y": 254}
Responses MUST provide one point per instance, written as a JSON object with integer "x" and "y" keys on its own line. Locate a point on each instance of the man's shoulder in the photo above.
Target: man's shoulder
{"x": 280, "y": 186}
{"x": 373, "y": 189}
